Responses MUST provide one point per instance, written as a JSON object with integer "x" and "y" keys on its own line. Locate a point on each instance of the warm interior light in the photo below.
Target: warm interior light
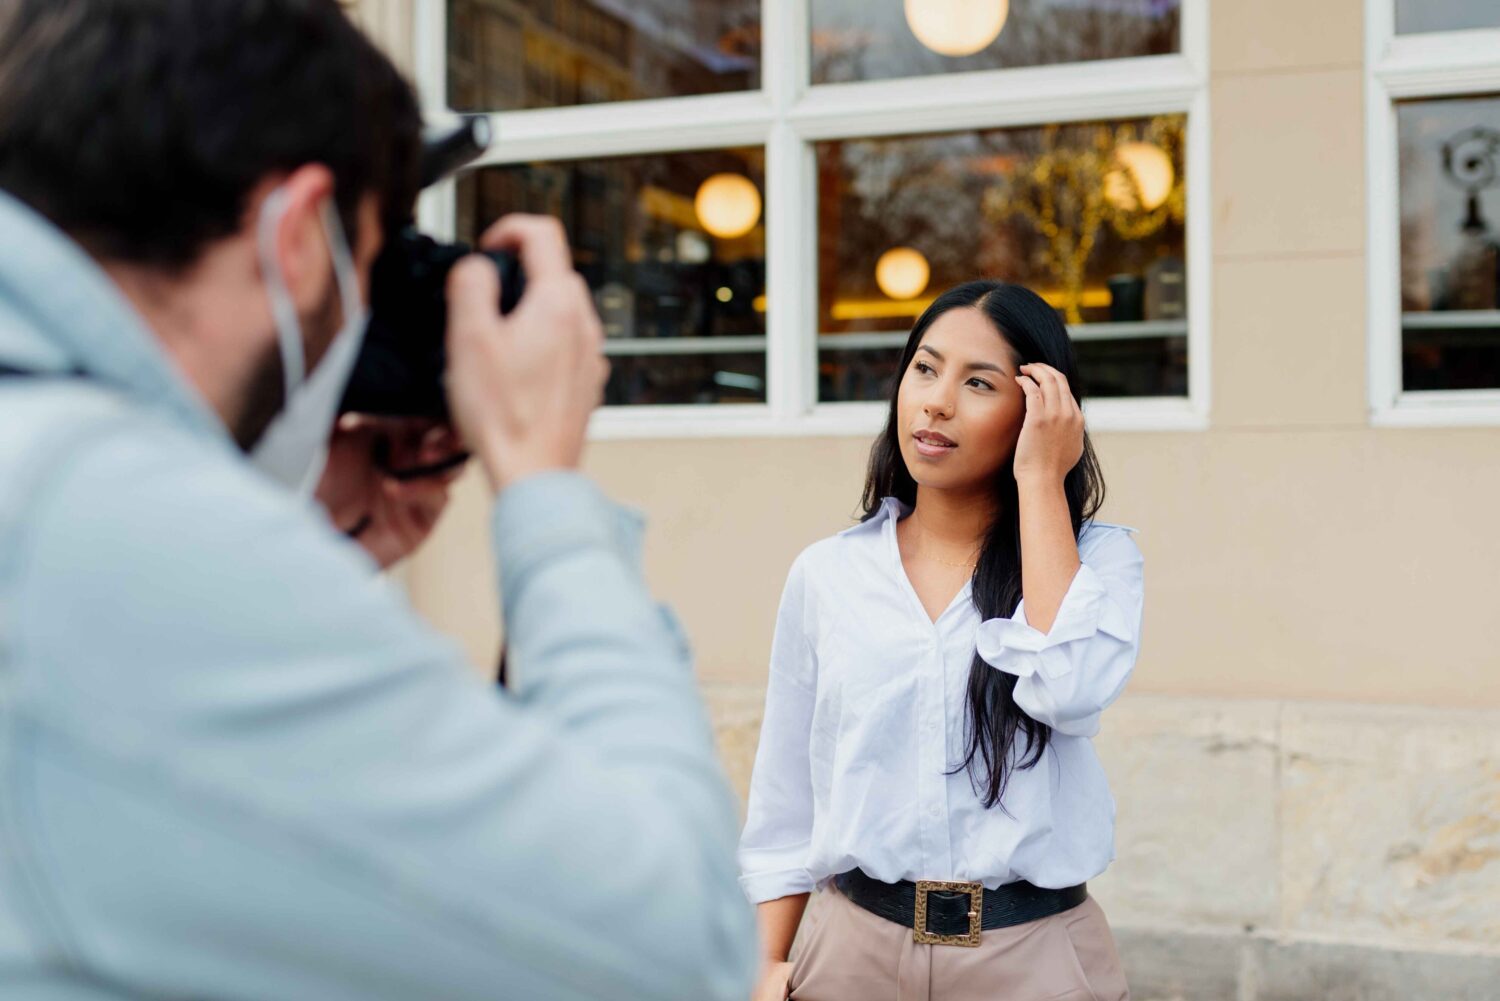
{"x": 1151, "y": 170}
{"x": 902, "y": 273}
{"x": 728, "y": 205}
{"x": 956, "y": 27}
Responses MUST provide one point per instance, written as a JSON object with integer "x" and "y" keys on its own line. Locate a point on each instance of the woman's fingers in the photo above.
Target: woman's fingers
{"x": 1056, "y": 392}
{"x": 1035, "y": 403}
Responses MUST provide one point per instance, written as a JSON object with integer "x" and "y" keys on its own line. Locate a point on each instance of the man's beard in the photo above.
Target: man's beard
{"x": 264, "y": 393}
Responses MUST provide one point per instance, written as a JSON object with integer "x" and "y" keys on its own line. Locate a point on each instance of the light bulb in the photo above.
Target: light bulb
{"x": 728, "y": 205}
{"x": 956, "y": 27}
{"x": 902, "y": 273}
{"x": 1150, "y": 168}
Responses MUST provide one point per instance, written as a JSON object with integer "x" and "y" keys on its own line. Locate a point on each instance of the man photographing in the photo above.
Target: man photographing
{"x": 235, "y": 764}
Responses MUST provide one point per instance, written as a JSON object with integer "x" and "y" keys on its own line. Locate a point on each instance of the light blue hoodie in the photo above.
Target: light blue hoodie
{"x": 234, "y": 764}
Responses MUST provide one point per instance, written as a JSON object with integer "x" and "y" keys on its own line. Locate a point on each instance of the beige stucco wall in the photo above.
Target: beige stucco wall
{"x": 1292, "y": 550}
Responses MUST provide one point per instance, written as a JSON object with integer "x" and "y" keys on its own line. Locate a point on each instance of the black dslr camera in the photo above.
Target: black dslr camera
{"x": 399, "y": 372}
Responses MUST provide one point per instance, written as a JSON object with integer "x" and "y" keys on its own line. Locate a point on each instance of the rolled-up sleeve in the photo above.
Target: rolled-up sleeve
{"x": 778, "y": 827}
{"x": 1067, "y": 676}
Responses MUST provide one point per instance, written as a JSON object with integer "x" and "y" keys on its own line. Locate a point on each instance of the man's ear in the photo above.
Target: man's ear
{"x": 301, "y": 245}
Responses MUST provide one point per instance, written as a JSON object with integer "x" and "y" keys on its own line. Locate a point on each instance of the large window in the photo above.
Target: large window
{"x": 764, "y": 194}
{"x": 673, "y": 247}
{"x": 1088, "y": 214}
{"x": 1434, "y": 122}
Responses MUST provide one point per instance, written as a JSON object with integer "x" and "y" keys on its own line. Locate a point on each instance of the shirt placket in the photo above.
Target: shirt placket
{"x": 932, "y": 786}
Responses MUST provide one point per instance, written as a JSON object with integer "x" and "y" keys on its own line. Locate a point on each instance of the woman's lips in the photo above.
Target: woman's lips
{"x": 933, "y": 443}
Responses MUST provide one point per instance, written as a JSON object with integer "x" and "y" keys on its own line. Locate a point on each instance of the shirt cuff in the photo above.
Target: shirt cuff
{"x": 762, "y": 886}
{"x": 550, "y": 514}
{"x": 1085, "y": 610}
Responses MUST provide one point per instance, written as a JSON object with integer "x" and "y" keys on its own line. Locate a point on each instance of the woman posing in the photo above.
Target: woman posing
{"x": 936, "y": 677}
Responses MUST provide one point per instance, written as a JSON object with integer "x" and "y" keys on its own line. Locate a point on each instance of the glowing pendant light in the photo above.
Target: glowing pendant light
{"x": 1150, "y": 170}
{"x": 902, "y": 273}
{"x": 956, "y": 27}
{"x": 728, "y": 205}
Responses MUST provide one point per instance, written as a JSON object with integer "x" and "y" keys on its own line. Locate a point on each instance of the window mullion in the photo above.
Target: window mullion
{"x": 791, "y": 273}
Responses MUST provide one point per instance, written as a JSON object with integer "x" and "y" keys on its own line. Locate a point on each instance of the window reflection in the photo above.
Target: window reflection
{"x": 1445, "y": 15}
{"x": 885, "y": 39}
{"x": 1450, "y": 257}
{"x": 506, "y": 55}
{"x": 673, "y": 246}
{"x": 1089, "y": 215}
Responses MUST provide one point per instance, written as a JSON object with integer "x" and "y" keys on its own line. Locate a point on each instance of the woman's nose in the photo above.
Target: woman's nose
{"x": 938, "y": 402}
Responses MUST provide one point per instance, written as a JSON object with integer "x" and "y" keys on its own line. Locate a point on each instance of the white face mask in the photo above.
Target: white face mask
{"x": 294, "y": 447}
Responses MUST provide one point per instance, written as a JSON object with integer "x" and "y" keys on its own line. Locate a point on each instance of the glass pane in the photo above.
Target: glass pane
{"x": 1450, "y": 258}
{"x": 674, "y": 247}
{"x": 884, "y": 39}
{"x": 1445, "y": 15}
{"x": 1089, "y": 215}
{"x": 505, "y": 55}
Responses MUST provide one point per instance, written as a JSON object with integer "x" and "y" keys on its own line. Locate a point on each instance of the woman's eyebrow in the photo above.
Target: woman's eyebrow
{"x": 973, "y": 366}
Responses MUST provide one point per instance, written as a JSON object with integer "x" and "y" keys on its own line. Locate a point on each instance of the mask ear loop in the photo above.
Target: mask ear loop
{"x": 343, "y": 262}
{"x": 288, "y": 327}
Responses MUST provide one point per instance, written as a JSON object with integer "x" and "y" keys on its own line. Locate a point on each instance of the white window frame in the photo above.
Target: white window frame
{"x": 786, "y": 117}
{"x": 1398, "y": 67}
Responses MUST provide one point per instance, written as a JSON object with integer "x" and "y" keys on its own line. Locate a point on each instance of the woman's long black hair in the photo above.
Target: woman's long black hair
{"x": 1037, "y": 334}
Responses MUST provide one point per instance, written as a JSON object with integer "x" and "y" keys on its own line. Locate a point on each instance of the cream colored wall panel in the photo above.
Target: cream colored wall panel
{"x": 1341, "y": 565}
{"x": 1348, "y": 565}
{"x": 1289, "y": 342}
{"x": 390, "y": 23}
{"x": 452, "y": 579}
{"x": 727, "y": 519}
{"x": 1288, "y": 164}
{"x": 1268, "y": 35}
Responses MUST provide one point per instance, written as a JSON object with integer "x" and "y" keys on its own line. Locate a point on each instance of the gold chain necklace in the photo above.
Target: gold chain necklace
{"x": 938, "y": 559}
{"x": 948, "y": 563}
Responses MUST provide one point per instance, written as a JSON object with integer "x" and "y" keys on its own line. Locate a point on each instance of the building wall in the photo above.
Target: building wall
{"x": 1307, "y": 763}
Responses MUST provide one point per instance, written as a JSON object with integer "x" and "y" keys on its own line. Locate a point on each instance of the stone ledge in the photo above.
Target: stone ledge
{"x": 1190, "y": 966}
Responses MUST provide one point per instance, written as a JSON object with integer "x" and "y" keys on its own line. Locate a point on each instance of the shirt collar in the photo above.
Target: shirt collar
{"x": 890, "y": 508}
{"x": 81, "y": 318}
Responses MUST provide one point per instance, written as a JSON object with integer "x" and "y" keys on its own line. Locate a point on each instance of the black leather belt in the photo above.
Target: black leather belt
{"x": 945, "y": 913}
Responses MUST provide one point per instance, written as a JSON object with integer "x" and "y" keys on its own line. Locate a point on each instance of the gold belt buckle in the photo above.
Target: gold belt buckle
{"x": 976, "y": 909}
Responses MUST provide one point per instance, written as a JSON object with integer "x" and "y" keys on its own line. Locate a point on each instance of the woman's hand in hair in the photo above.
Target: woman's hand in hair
{"x": 1051, "y": 441}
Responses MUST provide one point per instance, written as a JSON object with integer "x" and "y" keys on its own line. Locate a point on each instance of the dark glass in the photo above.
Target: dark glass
{"x": 1450, "y": 242}
{"x": 1048, "y": 207}
{"x": 506, "y": 55}
{"x": 657, "y": 273}
{"x": 691, "y": 378}
{"x": 1445, "y": 15}
{"x": 886, "y": 39}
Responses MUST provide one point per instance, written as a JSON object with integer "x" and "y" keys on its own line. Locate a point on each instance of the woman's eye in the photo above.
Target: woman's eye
{"x": 980, "y": 383}
{"x": 923, "y": 367}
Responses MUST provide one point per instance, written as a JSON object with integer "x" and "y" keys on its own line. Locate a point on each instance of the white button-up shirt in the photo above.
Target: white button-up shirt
{"x": 865, "y": 717}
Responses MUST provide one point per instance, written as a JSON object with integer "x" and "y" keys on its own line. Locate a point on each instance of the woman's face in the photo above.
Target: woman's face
{"x": 958, "y": 407}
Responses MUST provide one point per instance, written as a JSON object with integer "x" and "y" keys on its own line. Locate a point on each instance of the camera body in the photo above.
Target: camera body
{"x": 399, "y": 372}
{"x": 400, "y": 368}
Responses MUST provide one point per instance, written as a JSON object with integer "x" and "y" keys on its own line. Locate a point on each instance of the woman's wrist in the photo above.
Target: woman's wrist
{"x": 1040, "y": 479}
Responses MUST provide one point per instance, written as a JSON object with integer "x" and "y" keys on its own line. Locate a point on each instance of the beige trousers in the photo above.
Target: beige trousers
{"x": 848, "y": 954}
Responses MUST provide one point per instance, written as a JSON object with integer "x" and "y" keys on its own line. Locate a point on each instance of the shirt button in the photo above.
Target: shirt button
{"x": 933, "y": 811}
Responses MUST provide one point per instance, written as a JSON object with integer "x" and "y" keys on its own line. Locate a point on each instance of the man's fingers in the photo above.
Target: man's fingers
{"x": 540, "y": 241}
{"x": 473, "y": 296}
